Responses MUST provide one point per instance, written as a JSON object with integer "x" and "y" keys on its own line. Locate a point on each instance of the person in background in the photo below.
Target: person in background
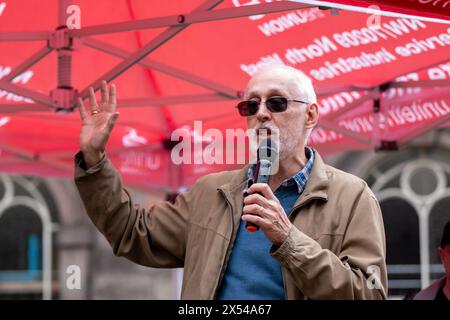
{"x": 440, "y": 289}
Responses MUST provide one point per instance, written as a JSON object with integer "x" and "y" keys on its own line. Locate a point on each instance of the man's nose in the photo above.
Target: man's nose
{"x": 263, "y": 113}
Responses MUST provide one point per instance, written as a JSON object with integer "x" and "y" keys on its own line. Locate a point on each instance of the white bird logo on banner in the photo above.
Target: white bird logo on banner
{"x": 4, "y": 120}
{"x": 132, "y": 139}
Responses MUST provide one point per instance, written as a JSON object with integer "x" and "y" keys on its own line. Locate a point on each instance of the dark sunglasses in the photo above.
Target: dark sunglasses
{"x": 275, "y": 104}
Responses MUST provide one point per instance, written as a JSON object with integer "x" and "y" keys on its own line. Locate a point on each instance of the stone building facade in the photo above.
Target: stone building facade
{"x": 46, "y": 236}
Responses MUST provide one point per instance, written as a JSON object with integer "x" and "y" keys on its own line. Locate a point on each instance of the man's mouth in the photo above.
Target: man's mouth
{"x": 264, "y": 131}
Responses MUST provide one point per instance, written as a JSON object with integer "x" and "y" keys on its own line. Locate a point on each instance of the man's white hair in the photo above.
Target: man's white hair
{"x": 303, "y": 81}
{"x": 304, "y": 84}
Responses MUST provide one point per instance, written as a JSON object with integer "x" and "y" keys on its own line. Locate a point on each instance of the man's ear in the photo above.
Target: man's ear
{"x": 312, "y": 115}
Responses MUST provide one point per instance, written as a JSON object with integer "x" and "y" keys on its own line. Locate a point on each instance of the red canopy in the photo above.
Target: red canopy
{"x": 381, "y": 80}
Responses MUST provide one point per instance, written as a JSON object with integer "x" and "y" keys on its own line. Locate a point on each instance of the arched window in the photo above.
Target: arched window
{"x": 26, "y": 245}
{"x": 401, "y": 226}
{"x": 413, "y": 188}
{"x": 21, "y": 248}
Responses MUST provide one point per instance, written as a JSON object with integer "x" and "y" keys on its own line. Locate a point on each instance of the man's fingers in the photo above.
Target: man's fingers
{"x": 260, "y": 222}
{"x": 92, "y": 100}
{"x": 262, "y": 188}
{"x": 112, "y": 98}
{"x": 111, "y": 122}
{"x": 82, "y": 109}
{"x": 252, "y": 209}
{"x": 104, "y": 91}
{"x": 256, "y": 198}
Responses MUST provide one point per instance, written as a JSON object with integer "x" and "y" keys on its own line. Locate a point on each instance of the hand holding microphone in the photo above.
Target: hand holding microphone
{"x": 267, "y": 155}
{"x": 261, "y": 208}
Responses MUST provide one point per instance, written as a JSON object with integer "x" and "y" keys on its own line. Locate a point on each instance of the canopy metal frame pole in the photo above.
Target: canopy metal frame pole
{"x": 198, "y": 16}
{"x": 24, "y": 36}
{"x": 21, "y": 91}
{"x": 422, "y": 84}
{"x": 33, "y": 59}
{"x": 167, "y": 69}
{"x": 179, "y": 99}
{"x": 326, "y": 124}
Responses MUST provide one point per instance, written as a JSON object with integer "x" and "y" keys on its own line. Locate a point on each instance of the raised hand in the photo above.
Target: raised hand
{"x": 96, "y": 127}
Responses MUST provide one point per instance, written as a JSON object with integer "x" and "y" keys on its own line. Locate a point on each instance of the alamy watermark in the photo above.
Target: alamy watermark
{"x": 74, "y": 19}
{"x": 373, "y": 281}
{"x": 214, "y": 147}
{"x": 73, "y": 280}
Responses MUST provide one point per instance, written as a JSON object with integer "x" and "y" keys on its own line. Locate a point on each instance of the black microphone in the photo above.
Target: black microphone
{"x": 267, "y": 157}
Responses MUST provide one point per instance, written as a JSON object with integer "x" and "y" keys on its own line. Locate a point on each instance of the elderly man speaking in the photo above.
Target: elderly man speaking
{"x": 321, "y": 230}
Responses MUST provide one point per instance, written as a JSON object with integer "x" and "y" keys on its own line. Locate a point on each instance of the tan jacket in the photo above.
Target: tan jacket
{"x": 335, "y": 244}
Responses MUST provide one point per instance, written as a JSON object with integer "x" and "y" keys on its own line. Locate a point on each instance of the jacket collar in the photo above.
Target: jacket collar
{"x": 316, "y": 188}
{"x": 318, "y": 183}
{"x": 233, "y": 189}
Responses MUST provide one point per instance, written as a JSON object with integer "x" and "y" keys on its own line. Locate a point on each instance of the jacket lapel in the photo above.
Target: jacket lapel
{"x": 233, "y": 192}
